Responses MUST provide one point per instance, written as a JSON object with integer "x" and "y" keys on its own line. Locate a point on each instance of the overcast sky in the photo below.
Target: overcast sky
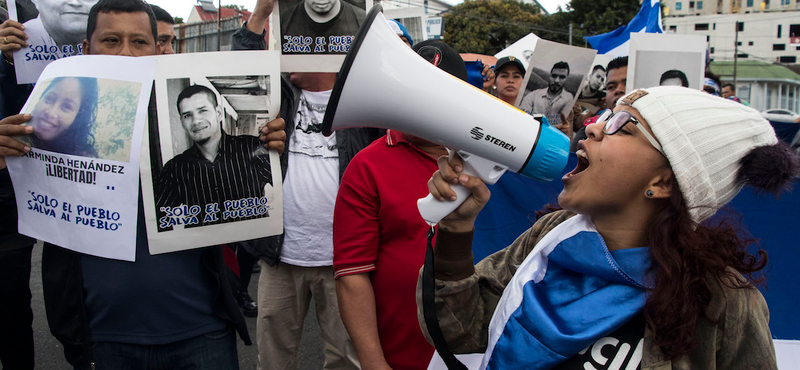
{"x": 182, "y": 8}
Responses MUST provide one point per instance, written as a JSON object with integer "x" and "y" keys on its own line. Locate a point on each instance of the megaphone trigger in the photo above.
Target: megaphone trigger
{"x": 433, "y": 210}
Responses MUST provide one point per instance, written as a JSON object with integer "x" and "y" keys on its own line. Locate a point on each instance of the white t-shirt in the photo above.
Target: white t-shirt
{"x": 310, "y": 187}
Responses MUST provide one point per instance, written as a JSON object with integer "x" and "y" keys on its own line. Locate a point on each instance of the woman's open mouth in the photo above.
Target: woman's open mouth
{"x": 583, "y": 163}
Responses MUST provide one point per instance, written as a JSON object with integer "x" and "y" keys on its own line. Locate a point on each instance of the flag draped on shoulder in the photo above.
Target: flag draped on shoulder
{"x": 568, "y": 293}
{"x": 616, "y": 42}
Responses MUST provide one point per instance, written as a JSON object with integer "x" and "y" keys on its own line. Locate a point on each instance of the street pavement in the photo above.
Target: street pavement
{"x": 49, "y": 353}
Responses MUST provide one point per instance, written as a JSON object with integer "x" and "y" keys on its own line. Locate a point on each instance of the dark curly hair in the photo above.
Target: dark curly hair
{"x": 78, "y": 138}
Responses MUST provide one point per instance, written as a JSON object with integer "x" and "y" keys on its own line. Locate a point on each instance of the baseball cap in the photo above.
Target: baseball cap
{"x": 506, "y": 60}
{"x": 400, "y": 30}
{"x": 443, "y": 56}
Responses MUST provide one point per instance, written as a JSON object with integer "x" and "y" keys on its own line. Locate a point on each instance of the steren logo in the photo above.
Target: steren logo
{"x": 477, "y": 134}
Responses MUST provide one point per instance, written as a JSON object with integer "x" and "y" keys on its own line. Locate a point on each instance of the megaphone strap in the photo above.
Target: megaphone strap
{"x": 429, "y": 309}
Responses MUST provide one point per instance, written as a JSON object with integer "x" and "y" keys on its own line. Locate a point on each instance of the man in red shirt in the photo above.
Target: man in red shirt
{"x": 379, "y": 239}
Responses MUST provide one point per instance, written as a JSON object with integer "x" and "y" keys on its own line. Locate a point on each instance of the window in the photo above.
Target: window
{"x": 678, "y": 6}
{"x": 715, "y": 26}
{"x": 708, "y": 38}
{"x": 791, "y": 59}
{"x": 712, "y": 50}
{"x": 779, "y": 31}
{"x": 691, "y": 5}
{"x": 673, "y": 28}
{"x": 701, "y": 26}
{"x": 749, "y": 43}
{"x": 794, "y": 30}
{"x": 778, "y": 47}
{"x": 749, "y": 3}
{"x": 699, "y": 5}
{"x": 742, "y": 55}
{"x": 741, "y": 26}
{"x": 797, "y": 48}
{"x": 739, "y": 43}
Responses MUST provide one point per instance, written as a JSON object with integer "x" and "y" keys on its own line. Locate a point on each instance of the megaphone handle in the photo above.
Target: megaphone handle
{"x": 433, "y": 210}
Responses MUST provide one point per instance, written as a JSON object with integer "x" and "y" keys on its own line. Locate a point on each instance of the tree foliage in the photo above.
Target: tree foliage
{"x": 178, "y": 20}
{"x": 240, "y": 8}
{"x": 488, "y": 26}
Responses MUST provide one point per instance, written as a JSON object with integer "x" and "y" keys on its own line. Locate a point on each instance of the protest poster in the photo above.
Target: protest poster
{"x": 315, "y": 35}
{"x": 554, "y": 79}
{"x": 521, "y": 49}
{"x": 206, "y": 178}
{"x": 592, "y": 97}
{"x": 78, "y": 187}
{"x": 57, "y": 30}
{"x": 665, "y": 59}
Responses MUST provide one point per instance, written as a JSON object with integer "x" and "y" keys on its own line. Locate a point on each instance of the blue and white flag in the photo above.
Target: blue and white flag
{"x": 616, "y": 42}
{"x": 569, "y": 292}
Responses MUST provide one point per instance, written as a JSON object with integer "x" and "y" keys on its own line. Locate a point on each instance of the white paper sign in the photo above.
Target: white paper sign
{"x": 57, "y": 32}
{"x": 206, "y": 178}
{"x": 521, "y": 49}
{"x": 79, "y": 186}
{"x": 316, "y": 38}
{"x": 665, "y": 59}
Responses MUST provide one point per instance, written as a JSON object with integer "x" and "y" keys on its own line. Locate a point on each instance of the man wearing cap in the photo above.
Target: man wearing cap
{"x": 509, "y": 73}
{"x": 401, "y": 31}
{"x": 379, "y": 239}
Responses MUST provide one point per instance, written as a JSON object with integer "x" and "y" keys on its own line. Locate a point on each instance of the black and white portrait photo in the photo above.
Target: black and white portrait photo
{"x": 220, "y": 176}
{"x": 208, "y": 177}
{"x": 319, "y": 26}
{"x": 666, "y": 60}
{"x": 553, "y": 80}
{"x": 56, "y": 32}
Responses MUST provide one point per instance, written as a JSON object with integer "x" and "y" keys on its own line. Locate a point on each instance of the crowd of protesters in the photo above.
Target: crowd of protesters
{"x": 629, "y": 254}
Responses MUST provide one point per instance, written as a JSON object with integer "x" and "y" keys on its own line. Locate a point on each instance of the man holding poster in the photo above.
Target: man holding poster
{"x": 234, "y": 169}
{"x": 173, "y": 310}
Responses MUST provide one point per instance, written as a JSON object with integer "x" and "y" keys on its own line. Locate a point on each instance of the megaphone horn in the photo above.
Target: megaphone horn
{"x": 384, "y": 83}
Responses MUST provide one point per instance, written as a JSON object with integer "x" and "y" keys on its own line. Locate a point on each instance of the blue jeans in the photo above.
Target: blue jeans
{"x": 212, "y": 351}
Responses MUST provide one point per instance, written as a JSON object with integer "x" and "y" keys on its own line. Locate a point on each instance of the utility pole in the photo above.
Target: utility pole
{"x": 735, "y": 53}
{"x": 219, "y": 25}
{"x": 570, "y": 33}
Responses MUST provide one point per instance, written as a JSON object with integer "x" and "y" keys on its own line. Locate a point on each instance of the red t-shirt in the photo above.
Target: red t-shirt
{"x": 378, "y": 229}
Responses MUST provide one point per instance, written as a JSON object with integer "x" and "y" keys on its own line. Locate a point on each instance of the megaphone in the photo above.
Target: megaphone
{"x": 384, "y": 83}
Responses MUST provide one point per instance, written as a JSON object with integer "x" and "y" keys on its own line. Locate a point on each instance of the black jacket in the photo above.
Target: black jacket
{"x": 349, "y": 141}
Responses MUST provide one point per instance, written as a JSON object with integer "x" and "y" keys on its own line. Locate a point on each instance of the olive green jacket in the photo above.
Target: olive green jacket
{"x": 733, "y": 334}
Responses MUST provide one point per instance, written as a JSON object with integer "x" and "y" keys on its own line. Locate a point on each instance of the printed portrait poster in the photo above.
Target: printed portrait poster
{"x": 554, "y": 79}
{"x": 592, "y": 96}
{"x": 315, "y": 35}
{"x": 78, "y": 187}
{"x": 57, "y": 31}
{"x": 206, "y": 177}
{"x": 658, "y": 59}
{"x": 521, "y": 49}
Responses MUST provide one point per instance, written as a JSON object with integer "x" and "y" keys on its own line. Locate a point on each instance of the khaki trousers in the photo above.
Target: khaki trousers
{"x": 284, "y": 295}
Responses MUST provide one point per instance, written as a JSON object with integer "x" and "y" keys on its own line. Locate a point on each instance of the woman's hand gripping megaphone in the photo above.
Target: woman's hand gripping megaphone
{"x": 455, "y": 187}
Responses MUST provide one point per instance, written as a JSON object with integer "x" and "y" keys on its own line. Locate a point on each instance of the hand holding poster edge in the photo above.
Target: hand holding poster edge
{"x": 81, "y": 201}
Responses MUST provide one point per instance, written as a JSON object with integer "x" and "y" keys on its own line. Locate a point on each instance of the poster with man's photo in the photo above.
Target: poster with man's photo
{"x": 659, "y": 59}
{"x": 554, "y": 79}
{"x": 315, "y": 35}
{"x": 55, "y": 29}
{"x": 78, "y": 187}
{"x": 206, "y": 177}
{"x": 592, "y": 96}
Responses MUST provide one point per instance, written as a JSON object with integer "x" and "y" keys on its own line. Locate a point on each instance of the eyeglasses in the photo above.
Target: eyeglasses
{"x": 615, "y": 121}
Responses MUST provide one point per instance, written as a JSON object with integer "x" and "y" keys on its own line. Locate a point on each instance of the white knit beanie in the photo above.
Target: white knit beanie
{"x": 704, "y": 138}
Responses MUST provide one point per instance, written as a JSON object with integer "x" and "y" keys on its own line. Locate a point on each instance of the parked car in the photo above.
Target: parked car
{"x": 781, "y": 115}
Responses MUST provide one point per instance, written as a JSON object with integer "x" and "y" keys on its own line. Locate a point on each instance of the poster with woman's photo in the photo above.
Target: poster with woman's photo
{"x": 315, "y": 35}
{"x": 78, "y": 187}
{"x": 658, "y": 59}
{"x": 206, "y": 177}
{"x": 55, "y": 29}
{"x": 554, "y": 79}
